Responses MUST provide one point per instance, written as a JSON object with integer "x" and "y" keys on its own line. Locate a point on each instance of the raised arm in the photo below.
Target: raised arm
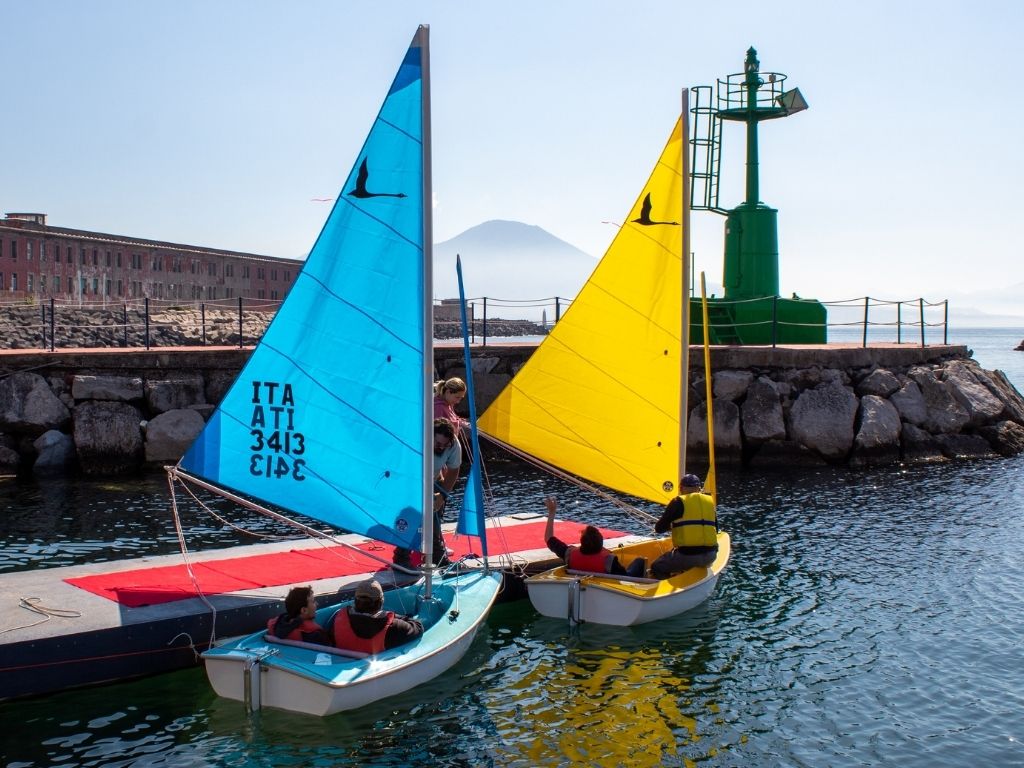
{"x": 552, "y": 506}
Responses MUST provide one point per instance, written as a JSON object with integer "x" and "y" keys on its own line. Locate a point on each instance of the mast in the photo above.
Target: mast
{"x": 428, "y": 314}
{"x": 684, "y": 374}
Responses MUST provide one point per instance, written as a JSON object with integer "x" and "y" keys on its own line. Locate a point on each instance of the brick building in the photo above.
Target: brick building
{"x": 39, "y": 262}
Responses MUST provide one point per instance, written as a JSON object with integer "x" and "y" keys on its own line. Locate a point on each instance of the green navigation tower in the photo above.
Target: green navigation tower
{"x": 751, "y": 312}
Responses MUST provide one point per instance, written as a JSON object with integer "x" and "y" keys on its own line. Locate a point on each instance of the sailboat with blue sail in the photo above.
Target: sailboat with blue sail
{"x": 330, "y": 418}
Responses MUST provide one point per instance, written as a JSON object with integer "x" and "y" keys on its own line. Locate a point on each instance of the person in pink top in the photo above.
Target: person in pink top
{"x": 448, "y": 394}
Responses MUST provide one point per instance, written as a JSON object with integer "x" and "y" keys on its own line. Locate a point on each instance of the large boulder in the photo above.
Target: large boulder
{"x": 10, "y": 461}
{"x": 55, "y": 453}
{"x": 108, "y": 437}
{"x": 981, "y": 405}
{"x": 1006, "y": 437}
{"x": 920, "y": 447}
{"x": 762, "y": 413}
{"x": 822, "y": 419}
{"x": 909, "y": 403}
{"x": 878, "y": 439}
{"x": 180, "y": 392}
{"x": 169, "y": 434}
{"x": 730, "y": 385}
{"x": 728, "y": 443}
{"x": 879, "y": 382}
{"x": 28, "y": 405}
{"x": 945, "y": 415}
{"x": 118, "y": 388}
{"x": 965, "y": 446}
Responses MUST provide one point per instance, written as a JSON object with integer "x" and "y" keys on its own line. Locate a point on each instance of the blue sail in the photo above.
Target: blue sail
{"x": 326, "y": 418}
{"x": 471, "y": 515}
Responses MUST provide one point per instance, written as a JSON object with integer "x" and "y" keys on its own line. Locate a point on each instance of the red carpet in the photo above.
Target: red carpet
{"x": 164, "y": 584}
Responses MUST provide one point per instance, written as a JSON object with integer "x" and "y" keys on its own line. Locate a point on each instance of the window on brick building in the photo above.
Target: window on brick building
{"x": 109, "y": 259}
{"x": 1, "y": 281}
{"x": 14, "y": 281}
{"x": 95, "y": 257}
{"x": 81, "y": 255}
{"x": 28, "y": 251}
{"x": 119, "y": 259}
{"x": 120, "y": 286}
{"x": 14, "y": 251}
{"x": 71, "y": 286}
{"x": 28, "y": 283}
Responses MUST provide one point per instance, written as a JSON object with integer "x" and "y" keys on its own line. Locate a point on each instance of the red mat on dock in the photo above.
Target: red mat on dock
{"x": 164, "y": 584}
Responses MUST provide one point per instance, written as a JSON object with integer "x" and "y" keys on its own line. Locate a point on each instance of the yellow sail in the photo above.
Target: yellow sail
{"x": 600, "y": 397}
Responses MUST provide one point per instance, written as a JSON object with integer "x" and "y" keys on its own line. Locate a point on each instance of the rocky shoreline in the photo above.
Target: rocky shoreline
{"x": 825, "y": 408}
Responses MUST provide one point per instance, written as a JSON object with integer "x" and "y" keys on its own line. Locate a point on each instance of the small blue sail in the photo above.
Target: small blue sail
{"x": 471, "y": 515}
{"x": 326, "y": 418}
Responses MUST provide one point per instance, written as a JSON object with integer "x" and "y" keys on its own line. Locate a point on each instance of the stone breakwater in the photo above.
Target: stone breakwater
{"x": 112, "y": 412}
{"x": 817, "y": 406}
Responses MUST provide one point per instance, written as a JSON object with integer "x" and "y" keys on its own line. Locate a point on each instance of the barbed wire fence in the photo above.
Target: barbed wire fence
{"x": 145, "y": 323}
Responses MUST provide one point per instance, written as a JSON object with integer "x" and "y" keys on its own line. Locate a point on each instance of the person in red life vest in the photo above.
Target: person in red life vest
{"x": 694, "y": 524}
{"x": 590, "y": 555}
{"x": 363, "y": 626}
{"x": 296, "y": 623}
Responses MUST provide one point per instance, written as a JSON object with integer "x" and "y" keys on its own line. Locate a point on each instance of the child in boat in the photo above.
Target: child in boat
{"x": 590, "y": 555}
{"x": 296, "y": 623}
{"x": 363, "y": 626}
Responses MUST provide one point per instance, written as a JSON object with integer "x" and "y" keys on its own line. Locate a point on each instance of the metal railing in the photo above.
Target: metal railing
{"x": 147, "y": 323}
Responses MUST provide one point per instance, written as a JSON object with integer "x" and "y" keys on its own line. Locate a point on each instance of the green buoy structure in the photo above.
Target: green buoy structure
{"x": 751, "y": 311}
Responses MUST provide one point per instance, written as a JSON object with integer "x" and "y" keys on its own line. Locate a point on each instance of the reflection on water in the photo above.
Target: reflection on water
{"x": 605, "y": 696}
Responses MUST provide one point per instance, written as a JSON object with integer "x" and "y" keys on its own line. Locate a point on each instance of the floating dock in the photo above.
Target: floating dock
{"x": 88, "y": 624}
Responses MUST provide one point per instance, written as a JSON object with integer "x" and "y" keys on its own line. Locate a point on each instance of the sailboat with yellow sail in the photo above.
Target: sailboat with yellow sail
{"x": 604, "y": 399}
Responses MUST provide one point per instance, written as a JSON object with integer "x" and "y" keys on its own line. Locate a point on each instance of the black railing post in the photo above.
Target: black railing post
{"x": 53, "y": 325}
{"x": 945, "y": 322}
{"x": 483, "y": 341}
{"x": 867, "y": 300}
{"x": 202, "y": 320}
{"x": 558, "y": 309}
{"x": 899, "y": 322}
{"x": 775, "y": 320}
{"x": 920, "y": 303}
{"x": 472, "y": 323}
{"x": 240, "y": 339}
{"x": 146, "y": 309}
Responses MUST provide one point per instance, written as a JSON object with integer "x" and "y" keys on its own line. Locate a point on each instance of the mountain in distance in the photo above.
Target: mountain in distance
{"x": 514, "y": 265}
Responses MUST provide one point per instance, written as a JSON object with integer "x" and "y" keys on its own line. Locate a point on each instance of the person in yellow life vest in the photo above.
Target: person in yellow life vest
{"x": 297, "y": 621}
{"x": 363, "y": 626}
{"x": 691, "y": 518}
{"x": 591, "y": 554}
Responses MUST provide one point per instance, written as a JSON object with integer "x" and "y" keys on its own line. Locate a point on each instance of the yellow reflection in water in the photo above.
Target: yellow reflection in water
{"x": 600, "y": 707}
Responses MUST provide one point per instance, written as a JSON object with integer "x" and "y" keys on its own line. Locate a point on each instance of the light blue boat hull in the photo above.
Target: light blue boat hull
{"x": 302, "y": 678}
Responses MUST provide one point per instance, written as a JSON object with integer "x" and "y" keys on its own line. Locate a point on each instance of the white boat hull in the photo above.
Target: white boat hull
{"x": 301, "y": 678}
{"x": 603, "y": 599}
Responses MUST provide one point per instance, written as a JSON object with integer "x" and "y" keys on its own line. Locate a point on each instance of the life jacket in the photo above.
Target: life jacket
{"x": 698, "y": 526}
{"x": 345, "y": 637}
{"x": 293, "y": 628}
{"x": 599, "y": 562}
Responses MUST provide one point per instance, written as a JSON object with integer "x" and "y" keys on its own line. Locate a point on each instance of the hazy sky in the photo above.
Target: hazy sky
{"x": 219, "y": 123}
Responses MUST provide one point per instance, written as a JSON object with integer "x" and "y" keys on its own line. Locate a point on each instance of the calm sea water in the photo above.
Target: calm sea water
{"x": 866, "y": 618}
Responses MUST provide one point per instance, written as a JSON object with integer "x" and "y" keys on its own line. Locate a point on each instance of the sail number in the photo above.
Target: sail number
{"x": 276, "y": 444}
